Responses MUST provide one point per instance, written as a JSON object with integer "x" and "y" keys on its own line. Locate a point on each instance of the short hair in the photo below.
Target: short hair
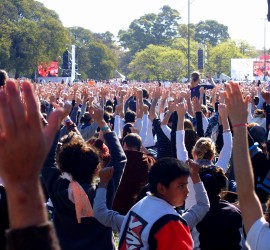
{"x": 126, "y": 129}
{"x": 106, "y": 116}
{"x": 133, "y": 140}
{"x": 214, "y": 179}
{"x": 165, "y": 171}
{"x": 130, "y": 116}
{"x": 78, "y": 158}
{"x": 109, "y": 109}
{"x": 145, "y": 93}
{"x": 205, "y": 148}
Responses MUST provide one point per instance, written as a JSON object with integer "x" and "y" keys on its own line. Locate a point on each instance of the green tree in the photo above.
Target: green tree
{"x": 30, "y": 33}
{"x": 219, "y": 58}
{"x": 212, "y": 32}
{"x": 157, "y": 63}
{"x": 246, "y": 49}
{"x": 157, "y": 29}
{"x": 102, "y": 62}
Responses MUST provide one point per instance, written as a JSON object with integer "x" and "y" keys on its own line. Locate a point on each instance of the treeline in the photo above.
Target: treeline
{"x": 153, "y": 47}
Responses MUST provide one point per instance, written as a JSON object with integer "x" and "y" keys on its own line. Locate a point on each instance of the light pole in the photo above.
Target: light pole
{"x": 264, "y": 51}
{"x": 188, "y": 40}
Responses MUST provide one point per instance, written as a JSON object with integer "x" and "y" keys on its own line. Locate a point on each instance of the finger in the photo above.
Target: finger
{"x": 32, "y": 109}
{"x": 54, "y": 122}
{"x": 6, "y": 119}
{"x": 16, "y": 107}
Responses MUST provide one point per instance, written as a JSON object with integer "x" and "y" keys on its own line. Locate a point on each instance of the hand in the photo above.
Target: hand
{"x": 194, "y": 169}
{"x": 20, "y": 123}
{"x": 236, "y": 105}
{"x": 105, "y": 175}
{"x": 222, "y": 110}
{"x": 181, "y": 109}
{"x": 97, "y": 113}
{"x": 145, "y": 109}
{"x": 196, "y": 104}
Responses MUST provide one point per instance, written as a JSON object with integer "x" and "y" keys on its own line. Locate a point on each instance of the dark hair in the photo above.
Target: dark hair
{"x": 130, "y": 116}
{"x": 3, "y": 77}
{"x": 106, "y": 116}
{"x": 195, "y": 75}
{"x": 133, "y": 140}
{"x": 126, "y": 129}
{"x": 78, "y": 158}
{"x": 145, "y": 93}
{"x": 214, "y": 179}
{"x": 164, "y": 171}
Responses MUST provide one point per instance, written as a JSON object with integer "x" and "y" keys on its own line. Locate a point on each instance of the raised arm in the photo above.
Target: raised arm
{"x": 20, "y": 165}
{"x": 238, "y": 112}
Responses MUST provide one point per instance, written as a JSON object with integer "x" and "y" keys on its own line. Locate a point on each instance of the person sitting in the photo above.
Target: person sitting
{"x": 70, "y": 182}
{"x": 135, "y": 174}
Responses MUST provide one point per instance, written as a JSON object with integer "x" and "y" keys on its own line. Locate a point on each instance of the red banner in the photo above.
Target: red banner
{"x": 48, "y": 69}
{"x": 258, "y": 68}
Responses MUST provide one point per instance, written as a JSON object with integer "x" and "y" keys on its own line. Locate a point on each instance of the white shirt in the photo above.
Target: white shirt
{"x": 258, "y": 237}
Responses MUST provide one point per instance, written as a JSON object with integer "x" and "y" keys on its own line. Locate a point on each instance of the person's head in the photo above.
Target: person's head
{"x": 214, "y": 180}
{"x": 86, "y": 118}
{"x": 204, "y": 110}
{"x": 145, "y": 94}
{"x": 132, "y": 141}
{"x": 259, "y": 113}
{"x": 3, "y": 77}
{"x": 195, "y": 76}
{"x": 256, "y": 100}
{"x": 204, "y": 149}
{"x": 190, "y": 140}
{"x": 126, "y": 129}
{"x": 168, "y": 179}
{"x": 130, "y": 116}
{"x": 188, "y": 125}
{"x": 77, "y": 158}
{"x": 109, "y": 109}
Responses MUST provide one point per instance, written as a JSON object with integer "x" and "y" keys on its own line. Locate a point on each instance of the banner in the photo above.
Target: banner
{"x": 48, "y": 69}
{"x": 258, "y": 68}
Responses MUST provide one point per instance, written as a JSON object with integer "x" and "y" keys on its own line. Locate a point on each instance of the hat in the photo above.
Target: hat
{"x": 258, "y": 134}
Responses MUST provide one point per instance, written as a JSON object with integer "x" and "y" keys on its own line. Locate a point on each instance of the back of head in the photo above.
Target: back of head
{"x": 214, "y": 180}
{"x": 133, "y": 141}
{"x": 130, "y": 116}
{"x": 190, "y": 141}
{"x": 204, "y": 148}
{"x": 78, "y": 158}
{"x": 164, "y": 171}
{"x": 188, "y": 125}
{"x": 126, "y": 129}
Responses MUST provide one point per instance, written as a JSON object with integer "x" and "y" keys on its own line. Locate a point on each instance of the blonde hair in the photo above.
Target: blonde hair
{"x": 204, "y": 148}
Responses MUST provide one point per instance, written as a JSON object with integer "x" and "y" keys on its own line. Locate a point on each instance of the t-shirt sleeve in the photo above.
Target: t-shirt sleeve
{"x": 259, "y": 235}
{"x": 173, "y": 236}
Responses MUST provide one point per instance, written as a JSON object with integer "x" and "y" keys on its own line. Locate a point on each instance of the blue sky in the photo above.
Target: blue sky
{"x": 244, "y": 18}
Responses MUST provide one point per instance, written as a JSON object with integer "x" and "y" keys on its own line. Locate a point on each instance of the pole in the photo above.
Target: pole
{"x": 188, "y": 40}
{"x": 264, "y": 51}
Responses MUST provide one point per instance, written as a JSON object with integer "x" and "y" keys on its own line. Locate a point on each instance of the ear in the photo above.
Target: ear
{"x": 161, "y": 189}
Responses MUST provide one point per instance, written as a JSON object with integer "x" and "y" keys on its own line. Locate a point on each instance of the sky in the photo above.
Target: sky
{"x": 246, "y": 19}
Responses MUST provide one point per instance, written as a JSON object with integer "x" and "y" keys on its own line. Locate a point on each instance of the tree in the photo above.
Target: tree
{"x": 246, "y": 49}
{"x": 157, "y": 63}
{"x": 211, "y": 31}
{"x": 30, "y": 33}
{"x": 102, "y": 61}
{"x": 219, "y": 58}
{"x": 150, "y": 29}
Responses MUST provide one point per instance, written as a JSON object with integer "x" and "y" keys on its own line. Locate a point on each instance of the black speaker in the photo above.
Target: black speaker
{"x": 65, "y": 60}
{"x": 200, "y": 59}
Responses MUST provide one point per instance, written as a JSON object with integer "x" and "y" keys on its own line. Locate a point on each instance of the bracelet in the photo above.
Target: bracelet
{"x": 239, "y": 125}
{"x": 105, "y": 128}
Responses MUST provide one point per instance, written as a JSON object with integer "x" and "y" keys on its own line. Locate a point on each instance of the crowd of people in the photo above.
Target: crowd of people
{"x": 134, "y": 165}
